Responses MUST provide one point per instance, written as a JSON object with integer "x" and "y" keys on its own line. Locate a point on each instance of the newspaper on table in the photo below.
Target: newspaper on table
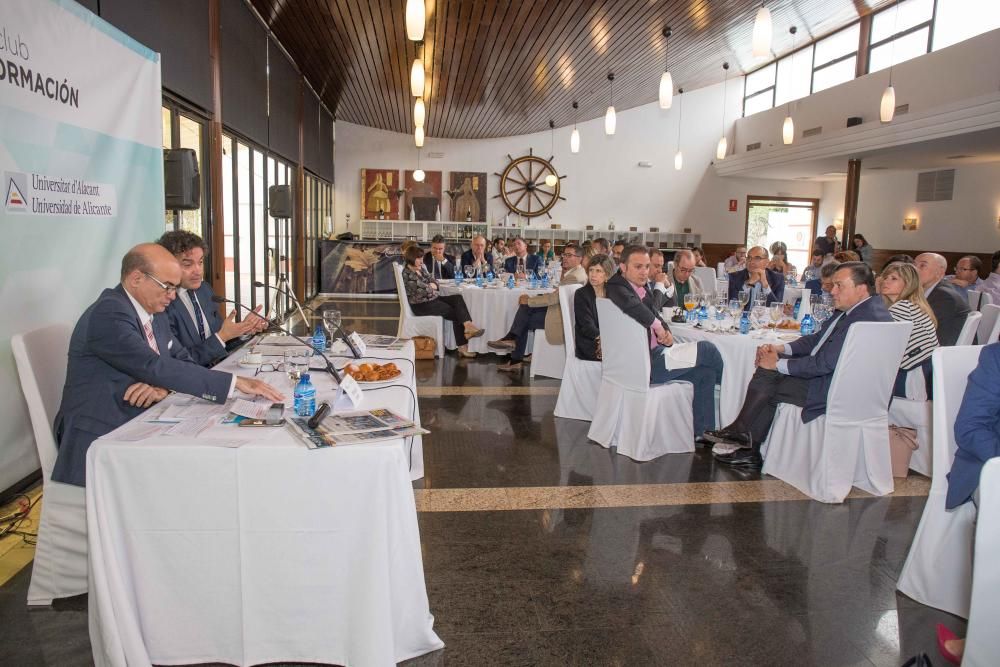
{"x": 352, "y": 428}
{"x": 383, "y": 342}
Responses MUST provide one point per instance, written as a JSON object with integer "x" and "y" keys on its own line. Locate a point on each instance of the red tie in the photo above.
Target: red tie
{"x": 148, "y": 328}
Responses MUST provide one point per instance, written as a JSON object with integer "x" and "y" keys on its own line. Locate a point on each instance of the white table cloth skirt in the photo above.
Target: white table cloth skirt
{"x": 490, "y": 308}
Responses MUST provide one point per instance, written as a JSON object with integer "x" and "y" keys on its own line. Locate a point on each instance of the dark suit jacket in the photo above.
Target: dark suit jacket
{"x": 950, "y": 307}
{"x": 644, "y": 311}
{"x": 467, "y": 259}
{"x": 108, "y": 352}
{"x": 447, "y": 267}
{"x": 204, "y": 351}
{"x": 977, "y": 427}
{"x": 587, "y": 327}
{"x": 531, "y": 262}
{"x": 819, "y": 369}
{"x": 774, "y": 279}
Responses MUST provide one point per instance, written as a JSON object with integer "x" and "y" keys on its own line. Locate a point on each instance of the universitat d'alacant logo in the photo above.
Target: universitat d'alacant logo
{"x": 15, "y": 186}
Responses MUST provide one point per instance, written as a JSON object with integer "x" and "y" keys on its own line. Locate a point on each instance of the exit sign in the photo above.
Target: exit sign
{"x": 732, "y": 205}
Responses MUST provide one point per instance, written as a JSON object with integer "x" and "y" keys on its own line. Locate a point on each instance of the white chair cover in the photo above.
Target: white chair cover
{"x": 581, "y": 379}
{"x": 411, "y": 325}
{"x": 989, "y": 324}
{"x": 60, "y": 566}
{"x": 975, "y": 298}
{"x": 643, "y": 422}
{"x": 982, "y": 642}
{"x": 706, "y": 276}
{"x": 914, "y": 412}
{"x": 969, "y": 328}
{"x": 791, "y": 294}
{"x": 849, "y": 445}
{"x": 938, "y": 569}
{"x": 546, "y": 359}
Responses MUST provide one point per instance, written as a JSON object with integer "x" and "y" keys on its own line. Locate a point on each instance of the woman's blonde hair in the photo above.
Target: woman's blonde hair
{"x": 912, "y": 291}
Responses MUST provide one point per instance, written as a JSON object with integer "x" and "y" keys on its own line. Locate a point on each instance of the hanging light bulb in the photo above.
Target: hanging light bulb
{"x": 574, "y": 138}
{"x": 417, "y": 78}
{"x": 679, "y": 157}
{"x": 419, "y": 175}
{"x": 678, "y": 161}
{"x": 723, "y": 146}
{"x": 666, "y": 80}
{"x": 419, "y": 112}
{"x": 610, "y": 119}
{"x": 416, "y": 14}
{"x": 888, "y": 107}
{"x": 551, "y": 180}
{"x": 788, "y": 130}
{"x": 418, "y": 137}
{"x": 762, "y": 33}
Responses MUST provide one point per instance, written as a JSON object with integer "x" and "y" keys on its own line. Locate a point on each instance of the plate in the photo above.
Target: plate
{"x": 377, "y": 383}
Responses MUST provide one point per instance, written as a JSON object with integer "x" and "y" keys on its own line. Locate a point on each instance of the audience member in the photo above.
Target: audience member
{"x": 440, "y": 265}
{"x": 545, "y": 251}
{"x": 520, "y": 262}
{"x": 601, "y": 246}
{"x": 977, "y": 429}
{"x": 966, "y": 274}
{"x": 901, "y": 292}
{"x": 476, "y": 256}
{"x": 656, "y": 262}
{"x": 950, "y": 306}
{"x": 905, "y": 259}
{"x": 616, "y": 250}
{"x": 991, "y": 285}
{"x": 699, "y": 256}
{"x": 827, "y": 243}
{"x": 499, "y": 248}
{"x": 844, "y": 256}
{"x": 123, "y": 359}
{"x": 824, "y": 284}
{"x": 812, "y": 271}
{"x": 779, "y": 260}
{"x": 761, "y": 281}
{"x": 629, "y": 290}
{"x": 588, "y": 330}
{"x": 422, "y": 293}
{"x": 737, "y": 261}
{"x": 800, "y": 372}
{"x": 862, "y": 248}
{"x": 682, "y": 280}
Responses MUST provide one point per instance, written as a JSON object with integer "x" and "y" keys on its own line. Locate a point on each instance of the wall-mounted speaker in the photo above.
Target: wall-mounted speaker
{"x": 181, "y": 180}
{"x": 279, "y": 201}
{"x": 853, "y": 120}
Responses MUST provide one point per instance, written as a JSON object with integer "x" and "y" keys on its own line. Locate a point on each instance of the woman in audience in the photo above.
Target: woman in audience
{"x": 699, "y": 256}
{"x": 862, "y": 247}
{"x": 588, "y": 331}
{"x": 900, "y": 288}
{"x": 779, "y": 261}
{"x": 422, "y": 293}
{"x": 587, "y": 251}
{"x": 846, "y": 256}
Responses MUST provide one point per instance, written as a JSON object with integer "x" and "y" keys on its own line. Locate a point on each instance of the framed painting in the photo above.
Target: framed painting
{"x": 379, "y": 192}
{"x": 423, "y": 197}
{"x": 468, "y": 196}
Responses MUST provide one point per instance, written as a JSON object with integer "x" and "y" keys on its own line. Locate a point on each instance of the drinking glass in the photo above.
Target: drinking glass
{"x": 331, "y": 318}
{"x": 777, "y": 314}
{"x": 296, "y": 363}
{"x": 470, "y": 271}
{"x": 690, "y": 300}
{"x": 757, "y": 315}
{"x": 744, "y": 298}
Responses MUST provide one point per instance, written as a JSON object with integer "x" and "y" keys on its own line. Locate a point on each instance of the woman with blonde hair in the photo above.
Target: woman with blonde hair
{"x": 900, "y": 288}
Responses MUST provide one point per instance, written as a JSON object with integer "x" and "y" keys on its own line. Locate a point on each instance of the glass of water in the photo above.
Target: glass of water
{"x": 331, "y": 318}
{"x": 297, "y": 363}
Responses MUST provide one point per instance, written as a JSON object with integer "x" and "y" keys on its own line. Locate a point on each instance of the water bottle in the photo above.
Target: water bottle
{"x": 744, "y": 323}
{"x": 305, "y": 397}
{"x": 479, "y": 280}
{"x": 808, "y": 325}
{"x": 458, "y": 279}
{"x": 795, "y": 310}
{"x": 545, "y": 281}
{"x": 703, "y": 313}
{"x": 531, "y": 280}
{"x": 510, "y": 281}
{"x": 319, "y": 339}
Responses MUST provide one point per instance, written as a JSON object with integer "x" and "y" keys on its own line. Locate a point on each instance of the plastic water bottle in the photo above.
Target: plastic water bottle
{"x": 744, "y": 323}
{"x": 545, "y": 281}
{"x": 305, "y": 397}
{"x": 479, "y": 280}
{"x": 319, "y": 339}
{"x": 458, "y": 279}
{"x": 489, "y": 276}
{"x": 531, "y": 281}
{"x": 808, "y": 325}
{"x": 510, "y": 281}
{"x": 795, "y": 310}
{"x": 703, "y": 313}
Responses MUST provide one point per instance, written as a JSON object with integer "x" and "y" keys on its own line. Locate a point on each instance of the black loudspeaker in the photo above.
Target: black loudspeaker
{"x": 279, "y": 201}
{"x": 853, "y": 120}
{"x": 181, "y": 180}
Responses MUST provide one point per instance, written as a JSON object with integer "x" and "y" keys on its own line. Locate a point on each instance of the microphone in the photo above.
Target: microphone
{"x": 329, "y": 366}
{"x": 291, "y": 296}
{"x": 340, "y": 331}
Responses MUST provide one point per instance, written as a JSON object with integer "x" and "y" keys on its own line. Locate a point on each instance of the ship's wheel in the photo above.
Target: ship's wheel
{"x": 523, "y": 187}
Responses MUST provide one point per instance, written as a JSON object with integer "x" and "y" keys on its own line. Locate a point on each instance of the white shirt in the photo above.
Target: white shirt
{"x": 185, "y": 297}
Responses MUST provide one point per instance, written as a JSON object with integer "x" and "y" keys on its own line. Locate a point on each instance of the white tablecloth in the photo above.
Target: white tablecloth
{"x": 267, "y": 552}
{"x": 491, "y": 309}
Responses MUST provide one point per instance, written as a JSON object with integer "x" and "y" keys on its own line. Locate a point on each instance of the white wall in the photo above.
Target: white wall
{"x": 603, "y": 179}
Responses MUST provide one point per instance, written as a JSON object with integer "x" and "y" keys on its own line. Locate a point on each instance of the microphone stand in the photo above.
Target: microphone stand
{"x": 340, "y": 331}
{"x": 288, "y": 293}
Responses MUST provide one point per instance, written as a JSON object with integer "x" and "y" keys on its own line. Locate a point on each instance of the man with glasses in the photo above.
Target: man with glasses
{"x": 737, "y": 261}
{"x": 682, "y": 282}
{"x": 966, "y": 274}
{"x": 762, "y": 282}
{"x": 123, "y": 359}
{"x": 520, "y": 263}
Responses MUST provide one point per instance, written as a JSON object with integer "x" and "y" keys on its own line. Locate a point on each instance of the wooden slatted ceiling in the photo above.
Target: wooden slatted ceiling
{"x": 500, "y": 68}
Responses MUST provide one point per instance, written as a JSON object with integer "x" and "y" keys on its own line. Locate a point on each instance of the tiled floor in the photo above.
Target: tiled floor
{"x": 541, "y": 548}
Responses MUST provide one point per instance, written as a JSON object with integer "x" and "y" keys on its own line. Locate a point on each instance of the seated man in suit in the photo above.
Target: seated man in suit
{"x": 194, "y": 317}
{"x": 439, "y": 265}
{"x": 682, "y": 281}
{"x": 476, "y": 256}
{"x": 977, "y": 428}
{"x": 950, "y": 306}
{"x": 520, "y": 263}
{"x": 541, "y": 311}
{"x": 966, "y": 274}
{"x": 824, "y": 283}
{"x": 629, "y": 290}
{"x": 800, "y": 372}
{"x": 760, "y": 280}
{"x": 122, "y": 359}
{"x": 991, "y": 285}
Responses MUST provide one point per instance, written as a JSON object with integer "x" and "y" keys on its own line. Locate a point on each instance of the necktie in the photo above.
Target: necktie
{"x": 148, "y": 328}
{"x": 437, "y": 269}
{"x": 198, "y": 315}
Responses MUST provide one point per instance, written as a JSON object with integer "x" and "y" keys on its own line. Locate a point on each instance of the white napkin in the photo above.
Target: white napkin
{"x": 681, "y": 355}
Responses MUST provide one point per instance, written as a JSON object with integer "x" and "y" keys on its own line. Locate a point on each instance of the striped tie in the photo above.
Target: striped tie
{"x": 198, "y": 315}
{"x": 148, "y": 328}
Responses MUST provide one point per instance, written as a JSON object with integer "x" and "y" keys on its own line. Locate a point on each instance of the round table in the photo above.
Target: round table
{"x": 492, "y": 308}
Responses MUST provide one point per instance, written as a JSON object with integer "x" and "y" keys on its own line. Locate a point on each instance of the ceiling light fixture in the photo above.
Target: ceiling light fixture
{"x": 574, "y": 139}
{"x": 679, "y": 157}
{"x": 723, "y": 147}
{"x": 418, "y": 137}
{"x": 762, "y": 32}
{"x": 419, "y": 112}
{"x": 416, "y": 13}
{"x": 552, "y": 180}
{"x": 788, "y": 127}
{"x": 419, "y": 174}
{"x": 610, "y": 120}
{"x": 887, "y": 108}
{"x": 666, "y": 80}
{"x": 417, "y": 77}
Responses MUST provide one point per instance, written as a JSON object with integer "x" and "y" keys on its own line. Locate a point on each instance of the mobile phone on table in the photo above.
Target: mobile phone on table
{"x": 273, "y": 418}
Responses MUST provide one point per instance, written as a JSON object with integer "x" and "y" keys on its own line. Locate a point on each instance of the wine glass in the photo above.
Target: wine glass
{"x": 744, "y": 298}
{"x": 331, "y": 318}
{"x": 470, "y": 271}
{"x": 757, "y": 315}
{"x": 777, "y": 313}
{"x": 690, "y": 300}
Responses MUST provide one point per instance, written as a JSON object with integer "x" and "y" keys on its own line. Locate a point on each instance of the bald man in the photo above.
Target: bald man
{"x": 950, "y": 306}
{"x": 761, "y": 281}
{"x": 123, "y": 358}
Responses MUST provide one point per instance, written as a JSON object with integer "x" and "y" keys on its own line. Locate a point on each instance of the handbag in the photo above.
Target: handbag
{"x": 902, "y": 443}
{"x": 424, "y": 347}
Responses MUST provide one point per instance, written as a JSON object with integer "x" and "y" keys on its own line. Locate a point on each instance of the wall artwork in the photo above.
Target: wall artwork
{"x": 468, "y": 195}
{"x": 424, "y": 197}
{"x": 379, "y": 193}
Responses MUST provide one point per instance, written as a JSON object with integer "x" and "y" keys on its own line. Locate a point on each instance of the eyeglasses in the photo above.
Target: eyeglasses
{"x": 756, "y": 257}
{"x": 167, "y": 287}
{"x": 270, "y": 368}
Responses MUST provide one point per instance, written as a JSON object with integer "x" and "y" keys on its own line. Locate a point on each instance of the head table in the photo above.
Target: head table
{"x": 242, "y": 546}
{"x": 492, "y": 308}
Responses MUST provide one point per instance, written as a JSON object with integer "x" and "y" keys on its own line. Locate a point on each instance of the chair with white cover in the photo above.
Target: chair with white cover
{"x": 938, "y": 569}
{"x": 968, "y": 333}
{"x": 989, "y": 324}
{"x": 849, "y": 445}
{"x": 642, "y": 421}
{"x": 60, "y": 565}
{"x": 547, "y": 360}
{"x": 581, "y": 378}
{"x": 706, "y": 276}
{"x": 982, "y": 641}
{"x": 411, "y": 325}
{"x": 978, "y": 299}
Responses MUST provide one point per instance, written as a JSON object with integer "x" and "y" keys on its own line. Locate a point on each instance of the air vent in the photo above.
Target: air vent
{"x": 435, "y": 156}
{"x": 753, "y": 146}
{"x": 812, "y": 132}
{"x": 935, "y": 185}
{"x": 902, "y": 109}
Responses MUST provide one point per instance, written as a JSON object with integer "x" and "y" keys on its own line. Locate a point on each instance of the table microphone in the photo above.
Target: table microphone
{"x": 340, "y": 333}
{"x": 329, "y": 366}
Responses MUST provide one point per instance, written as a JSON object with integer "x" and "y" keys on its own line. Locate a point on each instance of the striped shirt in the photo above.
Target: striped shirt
{"x": 923, "y": 337}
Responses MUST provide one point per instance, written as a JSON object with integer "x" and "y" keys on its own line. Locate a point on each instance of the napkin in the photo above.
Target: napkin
{"x": 681, "y": 355}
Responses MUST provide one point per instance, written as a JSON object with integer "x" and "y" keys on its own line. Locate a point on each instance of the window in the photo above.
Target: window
{"x": 758, "y": 91}
{"x": 319, "y": 223}
{"x": 794, "y": 76}
{"x": 831, "y": 75}
{"x": 184, "y": 128}
{"x": 956, "y": 20}
{"x": 836, "y": 58}
{"x": 900, "y": 33}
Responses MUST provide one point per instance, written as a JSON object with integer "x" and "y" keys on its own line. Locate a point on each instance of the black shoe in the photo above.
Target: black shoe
{"x": 704, "y": 441}
{"x": 726, "y": 435}
{"x": 742, "y": 458}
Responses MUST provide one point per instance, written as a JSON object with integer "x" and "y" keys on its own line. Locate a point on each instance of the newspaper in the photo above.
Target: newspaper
{"x": 383, "y": 342}
{"x": 352, "y": 428}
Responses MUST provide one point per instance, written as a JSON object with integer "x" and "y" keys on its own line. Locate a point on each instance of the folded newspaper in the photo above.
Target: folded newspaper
{"x": 353, "y": 428}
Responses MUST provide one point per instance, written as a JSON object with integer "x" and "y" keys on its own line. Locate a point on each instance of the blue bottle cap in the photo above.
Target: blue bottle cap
{"x": 304, "y": 377}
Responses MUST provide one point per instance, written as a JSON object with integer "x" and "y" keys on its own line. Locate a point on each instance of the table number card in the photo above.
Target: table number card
{"x": 359, "y": 344}
{"x": 352, "y": 390}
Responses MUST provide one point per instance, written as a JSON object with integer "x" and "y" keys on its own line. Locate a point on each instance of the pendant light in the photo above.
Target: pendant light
{"x": 552, "y": 180}
{"x": 887, "y": 108}
{"x": 417, "y": 75}
{"x": 574, "y": 139}
{"x": 679, "y": 157}
{"x": 609, "y": 117}
{"x": 416, "y": 14}
{"x": 418, "y": 137}
{"x": 762, "y": 32}
{"x": 419, "y": 174}
{"x": 723, "y": 147}
{"x": 666, "y": 80}
{"x": 419, "y": 112}
{"x": 788, "y": 127}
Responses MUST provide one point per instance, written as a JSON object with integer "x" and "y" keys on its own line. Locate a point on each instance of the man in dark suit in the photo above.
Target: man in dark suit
{"x": 951, "y": 307}
{"x": 760, "y": 280}
{"x": 521, "y": 262}
{"x": 827, "y": 243}
{"x": 123, "y": 358}
{"x": 629, "y": 290}
{"x": 801, "y": 372}
{"x": 476, "y": 255}
{"x": 977, "y": 428}
{"x": 440, "y": 265}
{"x": 194, "y": 317}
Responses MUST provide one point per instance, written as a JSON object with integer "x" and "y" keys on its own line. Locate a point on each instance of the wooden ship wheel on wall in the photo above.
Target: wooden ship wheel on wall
{"x": 523, "y": 185}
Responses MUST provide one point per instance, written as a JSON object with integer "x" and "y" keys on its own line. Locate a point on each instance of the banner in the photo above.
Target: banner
{"x": 81, "y": 163}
